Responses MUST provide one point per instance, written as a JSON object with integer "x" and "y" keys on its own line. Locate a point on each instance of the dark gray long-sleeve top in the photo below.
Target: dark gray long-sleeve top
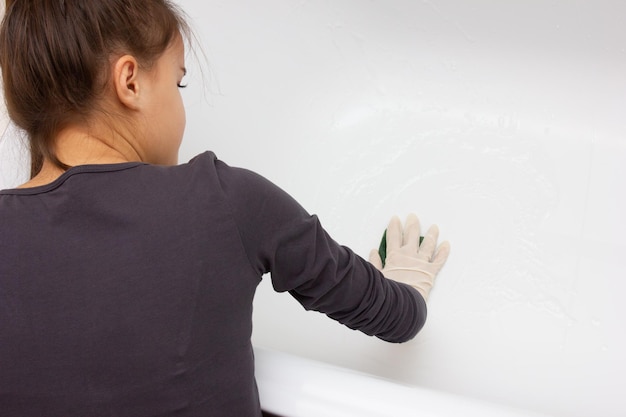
{"x": 126, "y": 289}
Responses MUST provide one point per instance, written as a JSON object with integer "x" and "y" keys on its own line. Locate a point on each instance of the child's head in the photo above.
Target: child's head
{"x": 58, "y": 58}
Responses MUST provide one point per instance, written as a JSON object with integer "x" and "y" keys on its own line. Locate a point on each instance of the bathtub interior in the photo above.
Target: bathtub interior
{"x": 498, "y": 121}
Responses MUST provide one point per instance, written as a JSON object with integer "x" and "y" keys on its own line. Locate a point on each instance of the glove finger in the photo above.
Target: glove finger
{"x": 427, "y": 248}
{"x": 442, "y": 255}
{"x": 411, "y": 235}
{"x": 394, "y": 234}
{"x": 375, "y": 259}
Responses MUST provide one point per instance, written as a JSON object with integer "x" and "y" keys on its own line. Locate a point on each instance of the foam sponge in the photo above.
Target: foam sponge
{"x": 382, "y": 249}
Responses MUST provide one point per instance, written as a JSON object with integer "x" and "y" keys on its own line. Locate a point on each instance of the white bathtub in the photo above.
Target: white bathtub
{"x": 501, "y": 121}
{"x": 292, "y": 386}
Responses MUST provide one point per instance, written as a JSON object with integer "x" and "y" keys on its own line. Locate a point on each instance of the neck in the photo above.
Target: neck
{"x": 76, "y": 146}
{"x": 79, "y": 146}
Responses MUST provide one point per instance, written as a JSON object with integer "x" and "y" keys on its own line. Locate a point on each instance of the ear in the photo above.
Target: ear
{"x": 126, "y": 81}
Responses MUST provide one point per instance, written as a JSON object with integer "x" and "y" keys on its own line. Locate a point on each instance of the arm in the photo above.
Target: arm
{"x": 280, "y": 237}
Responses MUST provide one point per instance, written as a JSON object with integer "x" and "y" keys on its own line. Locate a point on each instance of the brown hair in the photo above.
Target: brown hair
{"x": 55, "y": 57}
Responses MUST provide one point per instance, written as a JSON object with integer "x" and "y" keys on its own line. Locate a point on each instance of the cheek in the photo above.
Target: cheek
{"x": 178, "y": 121}
{"x": 181, "y": 115}
{"x": 170, "y": 129}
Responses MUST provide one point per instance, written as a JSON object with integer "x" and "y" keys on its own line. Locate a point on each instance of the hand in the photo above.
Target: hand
{"x": 408, "y": 261}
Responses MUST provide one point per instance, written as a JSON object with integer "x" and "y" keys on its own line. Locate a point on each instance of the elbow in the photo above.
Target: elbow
{"x": 413, "y": 321}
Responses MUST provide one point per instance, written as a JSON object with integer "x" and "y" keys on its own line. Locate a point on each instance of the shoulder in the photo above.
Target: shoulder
{"x": 207, "y": 163}
{"x": 249, "y": 194}
{"x": 231, "y": 180}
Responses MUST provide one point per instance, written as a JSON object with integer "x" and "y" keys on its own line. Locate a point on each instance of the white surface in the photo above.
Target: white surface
{"x": 297, "y": 387}
{"x": 501, "y": 121}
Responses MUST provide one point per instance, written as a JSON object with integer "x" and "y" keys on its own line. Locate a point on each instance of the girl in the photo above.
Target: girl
{"x": 126, "y": 281}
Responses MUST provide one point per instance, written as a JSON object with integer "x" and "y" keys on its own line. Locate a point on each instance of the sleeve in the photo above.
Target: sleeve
{"x": 281, "y": 238}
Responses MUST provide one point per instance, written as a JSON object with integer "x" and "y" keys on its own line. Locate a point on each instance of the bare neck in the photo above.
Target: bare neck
{"x": 76, "y": 146}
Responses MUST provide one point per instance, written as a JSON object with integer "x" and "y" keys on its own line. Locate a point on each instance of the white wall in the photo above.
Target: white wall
{"x": 500, "y": 121}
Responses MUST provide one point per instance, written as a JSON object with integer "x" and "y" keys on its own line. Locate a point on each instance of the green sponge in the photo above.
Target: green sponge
{"x": 382, "y": 249}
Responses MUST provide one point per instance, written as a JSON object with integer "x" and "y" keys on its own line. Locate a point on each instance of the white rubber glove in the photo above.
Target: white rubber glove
{"x": 408, "y": 261}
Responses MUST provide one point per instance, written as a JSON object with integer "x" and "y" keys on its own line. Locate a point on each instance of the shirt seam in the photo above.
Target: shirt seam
{"x": 82, "y": 169}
